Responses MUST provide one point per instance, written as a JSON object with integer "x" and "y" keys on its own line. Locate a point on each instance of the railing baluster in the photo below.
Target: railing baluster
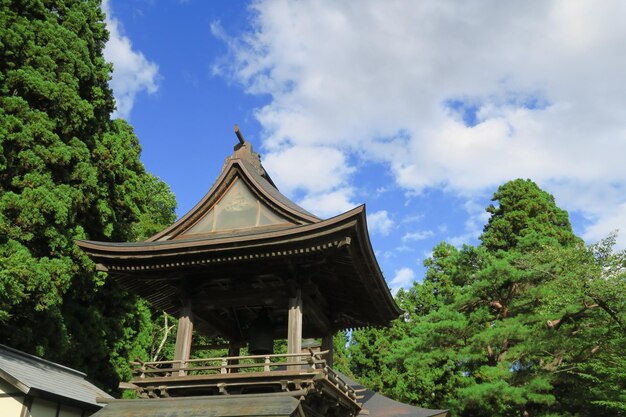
{"x": 181, "y": 365}
{"x": 266, "y": 368}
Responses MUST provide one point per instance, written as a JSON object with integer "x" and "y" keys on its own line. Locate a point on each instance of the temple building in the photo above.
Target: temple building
{"x": 246, "y": 267}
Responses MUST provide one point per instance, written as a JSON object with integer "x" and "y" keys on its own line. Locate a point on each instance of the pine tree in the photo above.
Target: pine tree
{"x": 524, "y": 217}
{"x": 529, "y": 323}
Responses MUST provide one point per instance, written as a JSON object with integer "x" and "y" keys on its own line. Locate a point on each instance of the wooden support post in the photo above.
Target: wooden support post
{"x": 233, "y": 350}
{"x": 294, "y": 326}
{"x": 183, "y": 337}
{"x": 327, "y": 345}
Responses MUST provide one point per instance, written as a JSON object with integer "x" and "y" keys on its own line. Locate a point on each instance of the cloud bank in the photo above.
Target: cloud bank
{"x": 461, "y": 96}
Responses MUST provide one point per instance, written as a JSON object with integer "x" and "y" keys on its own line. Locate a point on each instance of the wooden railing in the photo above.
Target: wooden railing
{"x": 310, "y": 361}
{"x": 268, "y": 365}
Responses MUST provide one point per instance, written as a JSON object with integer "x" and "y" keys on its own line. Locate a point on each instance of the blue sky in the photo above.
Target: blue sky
{"x": 420, "y": 110}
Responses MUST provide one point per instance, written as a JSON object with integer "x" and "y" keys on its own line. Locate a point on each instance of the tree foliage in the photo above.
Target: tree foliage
{"x": 524, "y": 217}
{"x": 67, "y": 172}
{"x": 529, "y": 323}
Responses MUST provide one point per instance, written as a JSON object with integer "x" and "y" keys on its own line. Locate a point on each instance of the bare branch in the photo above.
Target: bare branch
{"x": 166, "y": 332}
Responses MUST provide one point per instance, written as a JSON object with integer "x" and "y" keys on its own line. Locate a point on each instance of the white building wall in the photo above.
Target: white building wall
{"x": 10, "y": 400}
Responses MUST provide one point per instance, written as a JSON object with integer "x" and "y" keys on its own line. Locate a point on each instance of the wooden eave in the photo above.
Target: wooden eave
{"x": 262, "y": 187}
{"x": 343, "y": 238}
{"x": 212, "y": 242}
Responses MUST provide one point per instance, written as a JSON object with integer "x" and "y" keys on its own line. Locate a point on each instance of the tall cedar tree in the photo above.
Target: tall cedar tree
{"x": 67, "y": 171}
{"x": 525, "y": 216}
{"x": 529, "y": 323}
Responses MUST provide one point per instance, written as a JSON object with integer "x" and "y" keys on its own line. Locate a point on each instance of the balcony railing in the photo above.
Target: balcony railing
{"x": 230, "y": 364}
{"x": 285, "y": 372}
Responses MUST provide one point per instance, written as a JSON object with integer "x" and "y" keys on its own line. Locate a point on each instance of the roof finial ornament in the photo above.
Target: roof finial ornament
{"x": 239, "y": 135}
{"x": 243, "y": 150}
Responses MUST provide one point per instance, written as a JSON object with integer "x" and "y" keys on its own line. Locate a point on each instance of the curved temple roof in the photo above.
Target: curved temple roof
{"x": 244, "y": 172}
{"x": 245, "y": 245}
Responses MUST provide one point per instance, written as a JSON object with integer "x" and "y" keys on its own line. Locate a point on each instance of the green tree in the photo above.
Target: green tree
{"x": 583, "y": 333}
{"x": 416, "y": 359}
{"x": 529, "y": 323}
{"x": 524, "y": 217}
{"x": 158, "y": 204}
{"x": 67, "y": 171}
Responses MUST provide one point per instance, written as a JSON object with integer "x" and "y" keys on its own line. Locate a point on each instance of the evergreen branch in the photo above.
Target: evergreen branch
{"x": 611, "y": 313}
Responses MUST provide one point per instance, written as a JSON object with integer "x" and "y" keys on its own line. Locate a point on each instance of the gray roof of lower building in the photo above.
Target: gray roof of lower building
{"x": 39, "y": 377}
{"x": 376, "y": 405}
{"x": 261, "y": 405}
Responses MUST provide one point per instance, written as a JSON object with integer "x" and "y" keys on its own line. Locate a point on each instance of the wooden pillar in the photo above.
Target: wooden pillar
{"x": 294, "y": 325}
{"x": 233, "y": 350}
{"x": 183, "y": 336}
{"x": 327, "y": 344}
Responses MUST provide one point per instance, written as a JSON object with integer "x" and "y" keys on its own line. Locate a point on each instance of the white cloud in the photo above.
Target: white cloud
{"x": 328, "y": 204}
{"x": 458, "y": 95}
{"x": 379, "y": 222}
{"x": 132, "y": 72}
{"x": 314, "y": 169}
{"x": 322, "y": 173}
{"x": 404, "y": 248}
{"x": 477, "y": 217}
{"x": 413, "y": 218}
{"x": 602, "y": 202}
{"x": 607, "y": 224}
{"x": 417, "y": 235}
{"x": 460, "y": 240}
{"x": 403, "y": 278}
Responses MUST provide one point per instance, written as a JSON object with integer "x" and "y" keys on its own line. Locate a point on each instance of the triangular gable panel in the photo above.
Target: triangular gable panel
{"x": 239, "y": 208}
{"x": 250, "y": 197}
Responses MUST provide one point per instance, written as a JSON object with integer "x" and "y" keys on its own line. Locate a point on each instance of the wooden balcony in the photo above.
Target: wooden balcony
{"x": 298, "y": 374}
